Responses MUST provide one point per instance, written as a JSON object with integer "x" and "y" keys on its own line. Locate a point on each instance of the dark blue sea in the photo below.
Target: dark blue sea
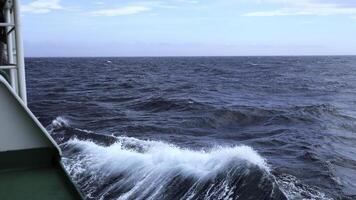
{"x": 201, "y": 127}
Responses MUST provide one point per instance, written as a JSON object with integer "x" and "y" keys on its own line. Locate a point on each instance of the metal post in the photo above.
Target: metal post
{"x": 10, "y": 54}
{"x": 19, "y": 52}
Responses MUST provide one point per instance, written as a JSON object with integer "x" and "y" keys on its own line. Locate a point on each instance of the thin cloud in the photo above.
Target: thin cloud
{"x": 41, "y": 6}
{"x": 307, "y": 7}
{"x": 128, "y": 10}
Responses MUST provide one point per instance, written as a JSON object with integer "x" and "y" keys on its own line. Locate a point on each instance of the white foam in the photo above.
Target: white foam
{"x": 160, "y": 156}
{"x": 294, "y": 189}
{"x": 59, "y": 122}
{"x": 150, "y": 165}
{"x": 62, "y": 122}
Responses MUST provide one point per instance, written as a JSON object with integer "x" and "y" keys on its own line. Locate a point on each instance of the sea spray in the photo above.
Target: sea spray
{"x": 137, "y": 169}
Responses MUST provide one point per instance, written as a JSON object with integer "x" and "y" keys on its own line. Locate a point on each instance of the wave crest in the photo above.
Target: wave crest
{"x": 59, "y": 123}
{"x": 136, "y": 169}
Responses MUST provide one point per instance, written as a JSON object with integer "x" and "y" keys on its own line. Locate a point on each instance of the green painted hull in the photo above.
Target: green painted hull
{"x": 36, "y": 183}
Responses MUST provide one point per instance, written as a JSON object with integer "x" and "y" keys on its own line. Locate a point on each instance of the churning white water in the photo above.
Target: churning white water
{"x": 110, "y": 167}
{"x": 146, "y": 169}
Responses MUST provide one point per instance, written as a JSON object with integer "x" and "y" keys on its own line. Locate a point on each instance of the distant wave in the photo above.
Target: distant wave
{"x": 211, "y": 116}
{"x": 161, "y": 104}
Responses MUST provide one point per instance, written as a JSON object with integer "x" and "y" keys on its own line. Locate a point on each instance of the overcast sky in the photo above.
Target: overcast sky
{"x": 188, "y": 27}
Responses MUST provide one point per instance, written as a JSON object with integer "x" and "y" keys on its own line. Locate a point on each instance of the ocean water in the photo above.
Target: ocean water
{"x": 201, "y": 128}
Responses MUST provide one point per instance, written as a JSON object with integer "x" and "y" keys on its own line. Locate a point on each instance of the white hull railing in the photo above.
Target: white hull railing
{"x": 15, "y": 64}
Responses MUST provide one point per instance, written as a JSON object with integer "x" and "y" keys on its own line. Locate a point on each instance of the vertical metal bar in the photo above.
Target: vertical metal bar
{"x": 10, "y": 55}
{"x": 19, "y": 52}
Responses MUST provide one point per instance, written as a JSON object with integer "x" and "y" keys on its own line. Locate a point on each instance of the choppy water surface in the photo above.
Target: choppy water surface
{"x": 202, "y": 128}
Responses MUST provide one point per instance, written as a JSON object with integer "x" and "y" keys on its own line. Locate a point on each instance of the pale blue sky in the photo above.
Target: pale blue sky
{"x": 188, "y": 27}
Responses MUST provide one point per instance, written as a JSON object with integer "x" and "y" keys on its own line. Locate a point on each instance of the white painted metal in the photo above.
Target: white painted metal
{"x": 20, "y": 130}
{"x": 9, "y": 41}
{"x": 6, "y": 24}
{"x": 15, "y": 57}
{"x": 8, "y": 67}
{"x": 19, "y": 52}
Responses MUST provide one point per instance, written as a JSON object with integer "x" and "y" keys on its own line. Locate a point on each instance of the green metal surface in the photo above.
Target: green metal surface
{"x": 39, "y": 183}
{"x": 29, "y": 158}
{"x": 34, "y": 174}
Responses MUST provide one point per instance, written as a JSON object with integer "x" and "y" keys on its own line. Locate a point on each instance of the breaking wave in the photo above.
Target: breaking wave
{"x": 137, "y": 169}
{"x": 110, "y": 167}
